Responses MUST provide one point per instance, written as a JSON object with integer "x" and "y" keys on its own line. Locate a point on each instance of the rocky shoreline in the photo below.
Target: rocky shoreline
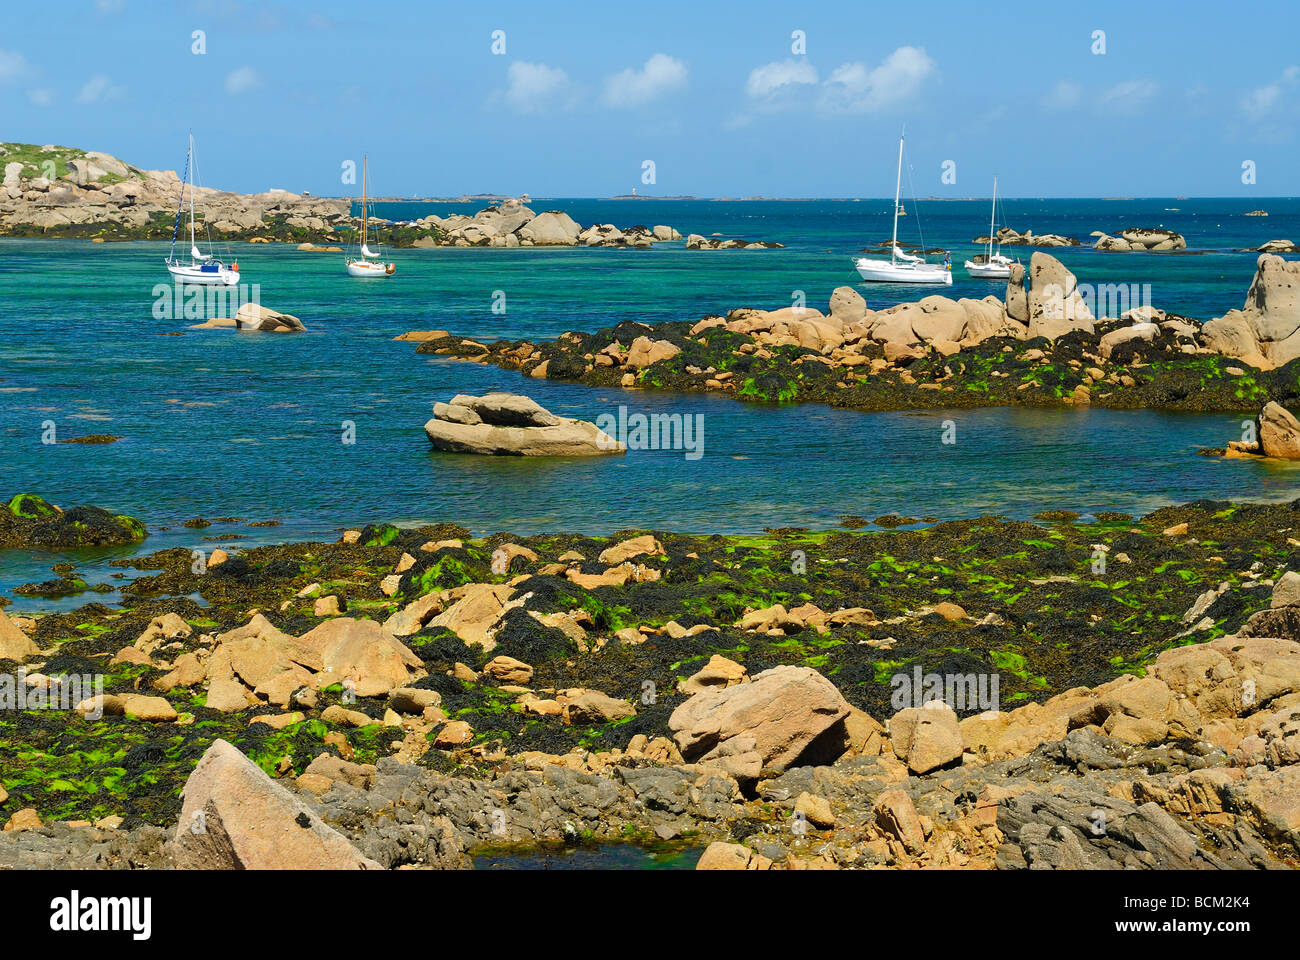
{"x": 1040, "y": 345}
{"x": 54, "y": 191}
{"x": 417, "y": 696}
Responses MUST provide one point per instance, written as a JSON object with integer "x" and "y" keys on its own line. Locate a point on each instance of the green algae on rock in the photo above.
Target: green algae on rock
{"x": 28, "y": 520}
{"x": 1047, "y": 607}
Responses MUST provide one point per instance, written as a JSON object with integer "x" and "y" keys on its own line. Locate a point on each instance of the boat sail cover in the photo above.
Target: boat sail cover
{"x": 366, "y": 251}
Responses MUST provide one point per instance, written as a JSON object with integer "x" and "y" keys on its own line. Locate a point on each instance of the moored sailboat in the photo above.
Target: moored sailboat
{"x": 202, "y": 268}
{"x": 368, "y": 263}
{"x": 994, "y": 266}
{"x": 902, "y": 267}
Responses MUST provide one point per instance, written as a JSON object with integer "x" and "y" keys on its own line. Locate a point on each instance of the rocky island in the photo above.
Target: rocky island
{"x": 1039, "y": 345}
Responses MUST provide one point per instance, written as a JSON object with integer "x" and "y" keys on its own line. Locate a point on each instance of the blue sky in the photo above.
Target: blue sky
{"x": 716, "y": 93}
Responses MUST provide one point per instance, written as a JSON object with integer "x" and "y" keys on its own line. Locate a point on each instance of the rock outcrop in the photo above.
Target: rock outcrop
{"x": 253, "y": 317}
{"x": 699, "y": 242}
{"x": 1279, "y": 432}
{"x": 1054, "y": 304}
{"x": 62, "y": 191}
{"x": 503, "y": 424}
{"x": 1265, "y": 332}
{"x": 1141, "y": 239}
{"x": 1008, "y": 237}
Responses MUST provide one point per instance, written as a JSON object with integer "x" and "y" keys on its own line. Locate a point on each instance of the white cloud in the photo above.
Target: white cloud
{"x": 243, "y": 80}
{"x": 98, "y": 89}
{"x": 1261, "y": 101}
{"x": 533, "y": 87}
{"x": 856, "y": 89}
{"x": 1066, "y": 95}
{"x": 43, "y": 97}
{"x": 771, "y": 78}
{"x": 12, "y": 65}
{"x": 661, "y": 75}
{"x": 1128, "y": 97}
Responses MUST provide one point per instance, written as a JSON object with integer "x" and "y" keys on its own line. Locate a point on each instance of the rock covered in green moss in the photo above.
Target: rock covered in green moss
{"x": 29, "y": 520}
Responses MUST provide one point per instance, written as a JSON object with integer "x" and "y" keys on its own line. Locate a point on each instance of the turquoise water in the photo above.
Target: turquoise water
{"x": 219, "y": 424}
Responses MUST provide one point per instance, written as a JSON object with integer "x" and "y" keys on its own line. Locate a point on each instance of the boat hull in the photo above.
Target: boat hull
{"x": 223, "y": 277}
{"x": 370, "y": 269}
{"x": 988, "y": 271}
{"x": 884, "y": 271}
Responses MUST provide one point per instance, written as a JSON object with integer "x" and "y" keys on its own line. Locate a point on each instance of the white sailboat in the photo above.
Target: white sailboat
{"x": 994, "y": 266}
{"x": 202, "y": 268}
{"x": 902, "y": 267}
{"x": 368, "y": 264}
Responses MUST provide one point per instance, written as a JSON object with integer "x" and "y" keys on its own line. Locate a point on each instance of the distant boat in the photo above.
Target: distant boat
{"x": 902, "y": 267}
{"x": 994, "y": 266}
{"x": 201, "y": 268}
{"x": 368, "y": 264}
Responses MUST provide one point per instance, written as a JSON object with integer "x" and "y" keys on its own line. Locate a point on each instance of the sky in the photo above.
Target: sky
{"x": 706, "y": 98}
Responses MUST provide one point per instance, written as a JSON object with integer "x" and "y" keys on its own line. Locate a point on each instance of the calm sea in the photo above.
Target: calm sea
{"x": 219, "y": 424}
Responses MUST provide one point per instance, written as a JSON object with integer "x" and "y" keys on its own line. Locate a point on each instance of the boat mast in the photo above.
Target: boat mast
{"x": 191, "y": 172}
{"x": 992, "y": 215}
{"x": 898, "y": 186}
{"x": 365, "y": 232}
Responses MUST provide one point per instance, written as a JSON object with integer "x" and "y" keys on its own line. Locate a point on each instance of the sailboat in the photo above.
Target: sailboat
{"x": 368, "y": 263}
{"x": 201, "y": 268}
{"x": 994, "y": 266}
{"x": 902, "y": 267}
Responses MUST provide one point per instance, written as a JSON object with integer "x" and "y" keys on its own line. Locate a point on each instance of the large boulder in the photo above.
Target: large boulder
{"x": 1017, "y": 299}
{"x": 1055, "y": 306}
{"x": 361, "y": 653}
{"x": 1265, "y": 332}
{"x": 645, "y": 352}
{"x": 514, "y": 426}
{"x": 551, "y": 229}
{"x": 848, "y": 306}
{"x": 14, "y": 644}
{"x": 1278, "y": 432}
{"x": 1233, "y": 335}
{"x": 235, "y": 817}
{"x": 255, "y": 317}
{"x": 785, "y": 716}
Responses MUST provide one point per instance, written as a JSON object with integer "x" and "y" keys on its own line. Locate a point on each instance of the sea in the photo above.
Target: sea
{"x": 322, "y": 430}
